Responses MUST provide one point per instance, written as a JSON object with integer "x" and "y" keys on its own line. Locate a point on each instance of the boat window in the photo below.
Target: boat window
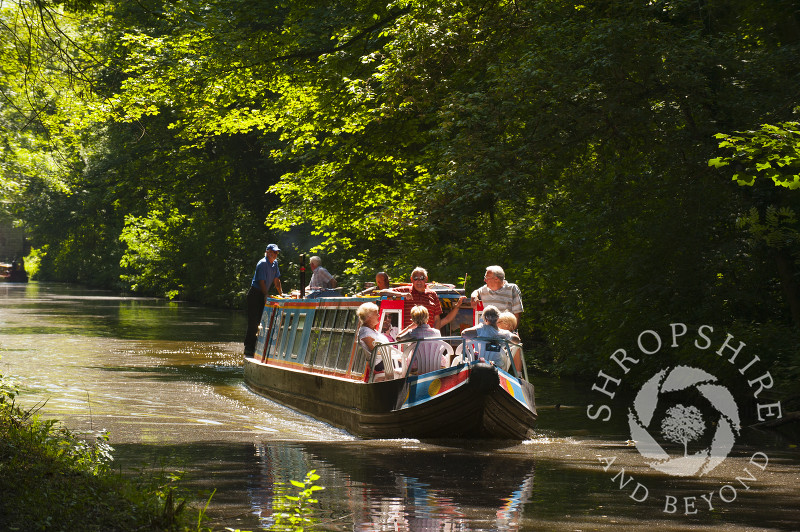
{"x": 352, "y": 321}
{"x": 319, "y": 316}
{"x": 333, "y": 352}
{"x": 273, "y": 347}
{"x": 298, "y": 334}
{"x": 263, "y": 331}
{"x": 359, "y": 364}
{"x": 330, "y": 317}
{"x": 313, "y": 341}
{"x": 345, "y": 350}
{"x": 287, "y": 334}
{"x": 331, "y": 338}
{"x": 324, "y": 342}
{"x": 342, "y": 318}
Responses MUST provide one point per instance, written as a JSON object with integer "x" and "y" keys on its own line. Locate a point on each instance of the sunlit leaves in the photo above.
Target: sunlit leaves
{"x": 45, "y": 85}
{"x": 152, "y": 258}
{"x": 771, "y": 152}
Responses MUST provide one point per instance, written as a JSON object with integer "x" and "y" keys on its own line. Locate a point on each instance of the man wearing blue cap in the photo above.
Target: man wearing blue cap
{"x": 267, "y": 273}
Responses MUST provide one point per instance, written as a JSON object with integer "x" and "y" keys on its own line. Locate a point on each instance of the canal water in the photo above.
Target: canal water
{"x": 165, "y": 380}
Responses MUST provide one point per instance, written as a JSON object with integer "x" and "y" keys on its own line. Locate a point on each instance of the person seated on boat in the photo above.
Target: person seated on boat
{"x": 419, "y": 294}
{"x": 507, "y": 321}
{"x": 387, "y": 327}
{"x": 368, "y": 335}
{"x": 382, "y": 281}
{"x": 488, "y": 330}
{"x": 419, "y": 329}
{"x": 419, "y": 326}
{"x": 321, "y": 279}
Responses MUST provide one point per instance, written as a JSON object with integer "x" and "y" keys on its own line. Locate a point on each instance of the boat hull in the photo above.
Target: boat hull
{"x": 480, "y": 405}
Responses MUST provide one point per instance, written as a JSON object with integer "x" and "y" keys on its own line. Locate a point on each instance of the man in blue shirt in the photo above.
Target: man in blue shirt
{"x": 267, "y": 273}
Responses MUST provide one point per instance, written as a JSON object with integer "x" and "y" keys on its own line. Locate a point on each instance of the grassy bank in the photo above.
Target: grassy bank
{"x": 52, "y": 480}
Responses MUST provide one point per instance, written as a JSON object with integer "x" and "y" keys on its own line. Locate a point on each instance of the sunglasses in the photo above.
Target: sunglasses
{"x": 417, "y": 278}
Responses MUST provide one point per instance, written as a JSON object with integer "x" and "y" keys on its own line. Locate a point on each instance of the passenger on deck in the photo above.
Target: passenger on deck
{"x": 382, "y": 281}
{"x": 368, "y": 336}
{"x": 419, "y": 294}
{"x": 267, "y": 273}
{"x": 419, "y": 327}
{"x": 488, "y": 328}
{"x": 321, "y": 279}
{"x": 498, "y": 292}
{"x": 508, "y": 322}
{"x": 387, "y": 327}
{"x": 485, "y": 331}
{"x": 417, "y": 330}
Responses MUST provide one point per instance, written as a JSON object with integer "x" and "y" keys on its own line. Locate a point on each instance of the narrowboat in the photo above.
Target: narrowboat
{"x": 308, "y": 358}
{"x": 13, "y": 272}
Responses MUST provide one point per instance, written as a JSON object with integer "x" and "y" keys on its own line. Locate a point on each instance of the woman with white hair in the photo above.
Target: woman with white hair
{"x": 369, "y": 336}
{"x": 507, "y": 321}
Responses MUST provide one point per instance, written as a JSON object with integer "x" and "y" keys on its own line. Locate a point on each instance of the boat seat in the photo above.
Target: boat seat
{"x": 458, "y": 358}
{"x": 516, "y": 355}
{"x": 430, "y": 355}
{"x": 392, "y": 362}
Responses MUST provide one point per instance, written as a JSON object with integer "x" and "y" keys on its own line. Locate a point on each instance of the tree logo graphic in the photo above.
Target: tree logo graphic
{"x": 657, "y": 406}
{"x": 682, "y": 425}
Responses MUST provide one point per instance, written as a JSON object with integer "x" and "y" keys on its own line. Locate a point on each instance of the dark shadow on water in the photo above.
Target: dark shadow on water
{"x": 208, "y": 374}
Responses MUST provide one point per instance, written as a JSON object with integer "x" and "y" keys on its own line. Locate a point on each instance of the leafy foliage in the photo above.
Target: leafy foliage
{"x": 293, "y": 512}
{"x": 771, "y": 152}
{"x": 569, "y": 143}
{"x": 50, "y": 479}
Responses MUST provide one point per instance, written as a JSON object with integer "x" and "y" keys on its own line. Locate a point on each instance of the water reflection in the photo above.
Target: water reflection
{"x": 398, "y": 486}
{"x": 70, "y": 310}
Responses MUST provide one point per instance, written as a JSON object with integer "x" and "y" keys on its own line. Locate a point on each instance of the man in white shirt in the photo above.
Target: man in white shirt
{"x": 498, "y": 292}
{"x": 321, "y": 279}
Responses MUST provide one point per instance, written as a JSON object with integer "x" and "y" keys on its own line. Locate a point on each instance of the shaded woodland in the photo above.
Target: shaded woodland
{"x": 629, "y": 163}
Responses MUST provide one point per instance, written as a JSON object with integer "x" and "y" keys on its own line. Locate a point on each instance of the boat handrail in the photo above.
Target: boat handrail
{"x": 472, "y": 347}
{"x": 513, "y": 360}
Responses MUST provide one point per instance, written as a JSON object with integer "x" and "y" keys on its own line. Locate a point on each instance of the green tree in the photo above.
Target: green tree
{"x": 771, "y": 153}
{"x": 567, "y": 142}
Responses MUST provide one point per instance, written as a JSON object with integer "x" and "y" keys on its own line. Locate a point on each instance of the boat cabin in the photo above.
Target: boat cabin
{"x": 320, "y": 335}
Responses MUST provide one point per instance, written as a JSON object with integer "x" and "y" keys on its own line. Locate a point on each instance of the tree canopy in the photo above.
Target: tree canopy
{"x": 592, "y": 150}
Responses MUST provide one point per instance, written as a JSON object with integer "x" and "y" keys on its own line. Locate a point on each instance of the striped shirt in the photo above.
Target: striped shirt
{"x": 427, "y": 299}
{"x": 507, "y": 297}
